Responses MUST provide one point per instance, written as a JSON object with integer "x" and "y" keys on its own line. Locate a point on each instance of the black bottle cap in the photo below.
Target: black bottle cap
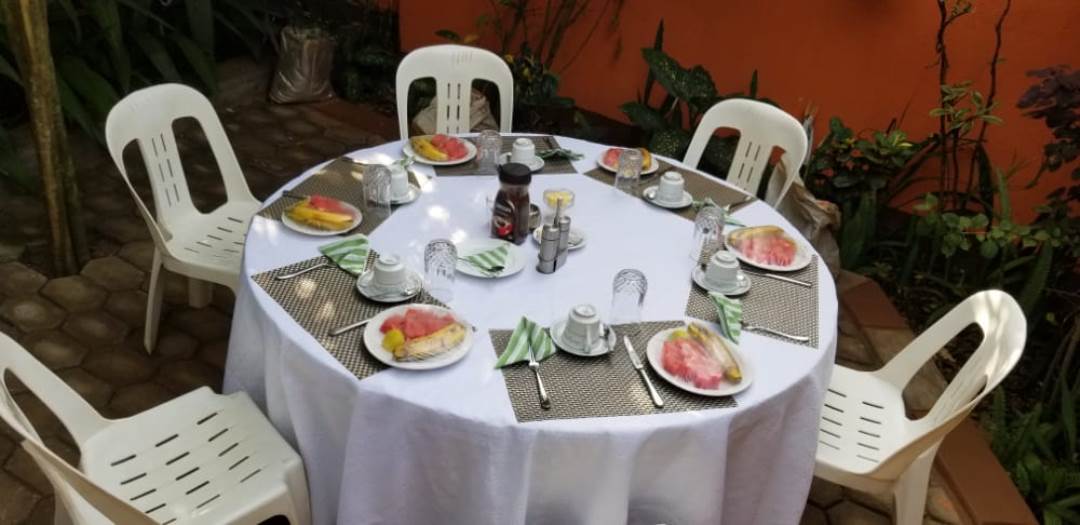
{"x": 515, "y": 173}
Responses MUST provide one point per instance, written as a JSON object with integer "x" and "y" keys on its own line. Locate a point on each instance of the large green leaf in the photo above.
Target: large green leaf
{"x": 670, "y": 142}
{"x": 106, "y": 14}
{"x": 1035, "y": 286}
{"x": 158, "y": 55}
{"x": 686, "y": 84}
{"x": 643, "y": 116}
{"x": 202, "y": 63}
{"x": 140, "y": 10}
{"x": 200, "y": 15}
{"x": 76, "y": 111}
{"x": 90, "y": 86}
{"x": 7, "y": 70}
{"x": 650, "y": 79}
{"x": 73, "y": 17}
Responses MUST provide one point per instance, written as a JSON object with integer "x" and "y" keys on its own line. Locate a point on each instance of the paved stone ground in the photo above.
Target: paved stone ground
{"x": 88, "y": 327}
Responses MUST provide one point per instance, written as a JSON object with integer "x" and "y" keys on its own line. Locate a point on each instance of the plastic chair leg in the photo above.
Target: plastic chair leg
{"x": 155, "y": 296}
{"x": 200, "y": 293}
{"x": 910, "y": 490}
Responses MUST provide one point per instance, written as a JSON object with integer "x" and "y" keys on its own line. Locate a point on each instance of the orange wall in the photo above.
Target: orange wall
{"x": 863, "y": 60}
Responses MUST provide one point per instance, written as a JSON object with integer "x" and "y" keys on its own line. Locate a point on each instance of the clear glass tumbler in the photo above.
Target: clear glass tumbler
{"x": 628, "y": 174}
{"x": 440, "y": 262}
{"x": 708, "y": 233}
{"x": 489, "y": 147}
{"x": 377, "y": 191}
{"x": 627, "y": 295}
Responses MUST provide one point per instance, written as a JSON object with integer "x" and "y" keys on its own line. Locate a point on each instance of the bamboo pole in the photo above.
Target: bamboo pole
{"x": 28, "y": 27}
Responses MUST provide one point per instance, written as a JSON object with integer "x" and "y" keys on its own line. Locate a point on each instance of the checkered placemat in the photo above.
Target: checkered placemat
{"x": 699, "y": 185}
{"x": 542, "y": 143}
{"x": 324, "y": 299}
{"x": 771, "y": 303}
{"x": 600, "y": 386}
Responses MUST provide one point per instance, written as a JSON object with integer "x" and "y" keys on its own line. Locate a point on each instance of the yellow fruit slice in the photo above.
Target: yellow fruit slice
{"x": 431, "y": 345}
{"x": 646, "y": 159}
{"x": 303, "y": 213}
{"x": 426, "y": 149}
{"x": 393, "y": 340}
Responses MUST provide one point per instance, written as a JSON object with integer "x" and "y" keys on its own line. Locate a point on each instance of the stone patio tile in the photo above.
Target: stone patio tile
{"x": 247, "y": 144}
{"x": 31, "y": 313}
{"x": 124, "y": 228}
{"x": 879, "y": 502}
{"x": 302, "y": 157}
{"x": 128, "y": 306}
{"x": 108, "y": 204}
{"x": 215, "y": 353}
{"x": 283, "y": 111}
{"x": 120, "y": 367}
{"x": 7, "y": 446}
{"x": 870, "y": 306}
{"x": 206, "y": 324}
{"x": 93, "y": 390}
{"x": 257, "y": 117}
{"x": 23, "y": 467}
{"x": 113, "y": 273}
{"x": 279, "y": 137}
{"x": 138, "y": 398}
{"x": 940, "y": 505}
{"x": 17, "y": 280}
{"x": 301, "y": 128}
{"x": 813, "y": 516}
{"x": 16, "y": 499}
{"x": 174, "y": 344}
{"x": 74, "y": 293}
{"x": 853, "y": 349}
{"x": 96, "y": 328}
{"x": 848, "y": 280}
{"x": 825, "y": 493}
{"x": 325, "y": 146}
{"x": 11, "y": 250}
{"x": 43, "y": 512}
{"x": 55, "y": 349}
{"x": 45, "y": 423}
{"x": 139, "y": 253}
{"x": 850, "y": 513}
{"x": 184, "y": 376}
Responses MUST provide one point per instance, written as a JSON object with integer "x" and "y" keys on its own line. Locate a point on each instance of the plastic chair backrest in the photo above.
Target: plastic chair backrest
{"x": 761, "y": 127}
{"x": 454, "y": 68}
{"x": 146, "y": 116}
{"x": 77, "y": 416}
{"x": 1004, "y": 333}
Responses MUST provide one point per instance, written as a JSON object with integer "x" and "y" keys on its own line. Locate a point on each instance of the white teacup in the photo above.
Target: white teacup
{"x": 523, "y": 151}
{"x": 582, "y": 326}
{"x": 723, "y": 269}
{"x": 670, "y": 188}
{"x": 399, "y": 182}
{"x": 389, "y": 272}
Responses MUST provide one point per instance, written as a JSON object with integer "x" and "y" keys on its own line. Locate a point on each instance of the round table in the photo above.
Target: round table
{"x": 444, "y": 446}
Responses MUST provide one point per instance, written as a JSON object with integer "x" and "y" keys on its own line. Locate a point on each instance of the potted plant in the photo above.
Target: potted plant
{"x": 306, "y": 54}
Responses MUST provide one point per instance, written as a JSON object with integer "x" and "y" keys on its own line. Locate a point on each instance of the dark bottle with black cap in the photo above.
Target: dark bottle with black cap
{"x": 510, "y": 214}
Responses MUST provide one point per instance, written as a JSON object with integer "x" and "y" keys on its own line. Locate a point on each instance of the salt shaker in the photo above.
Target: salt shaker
{"x": 563, "y": 225}
{"x": 549, "y": 249}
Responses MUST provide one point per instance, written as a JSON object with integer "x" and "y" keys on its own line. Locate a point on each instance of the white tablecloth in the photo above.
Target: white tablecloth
{"x": 444, "y": 446}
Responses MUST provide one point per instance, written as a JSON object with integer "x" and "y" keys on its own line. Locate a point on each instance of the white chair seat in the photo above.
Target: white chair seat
{"x": 211, "y": 246}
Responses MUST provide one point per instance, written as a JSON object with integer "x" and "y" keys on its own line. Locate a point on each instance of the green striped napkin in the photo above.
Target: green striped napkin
{"x": 729, "y": 310}
{"x": 350, "y": 253}
{"x": 707, "y": 201}
{"x": 489, "y": 259}
{"x": 526, "y": 334}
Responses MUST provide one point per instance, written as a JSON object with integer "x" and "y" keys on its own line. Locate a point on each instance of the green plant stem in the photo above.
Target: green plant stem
{"x": 992, "y": 93}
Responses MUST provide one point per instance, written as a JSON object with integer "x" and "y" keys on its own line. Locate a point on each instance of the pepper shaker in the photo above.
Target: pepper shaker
{"x": 563, "y": 223}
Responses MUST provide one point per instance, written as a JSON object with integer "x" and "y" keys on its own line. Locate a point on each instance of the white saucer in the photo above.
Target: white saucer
{"x": 411, "y": 195}
{"x": 536, "y": 165}
{"x": 379, "y": 294}
{"x": 577, "y": 237}
{"x": 742, "y": 284}
{"x": 600, "y": 345}
{"x": 650, "y": 196}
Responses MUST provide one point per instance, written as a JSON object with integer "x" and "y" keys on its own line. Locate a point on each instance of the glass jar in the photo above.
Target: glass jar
{"x": 510, "y": 213}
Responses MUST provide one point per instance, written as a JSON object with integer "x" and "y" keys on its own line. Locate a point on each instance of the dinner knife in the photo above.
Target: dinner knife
{"x": 636, "y": 361}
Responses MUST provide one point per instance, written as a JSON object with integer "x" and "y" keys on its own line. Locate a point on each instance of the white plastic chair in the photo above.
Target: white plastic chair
{"x": 206, "y": 247}
{"x": 200, "y": 458}
{"x": 761, "y": 127}
{"x": 454, "y": 68}
{"x": 865, "y": 439}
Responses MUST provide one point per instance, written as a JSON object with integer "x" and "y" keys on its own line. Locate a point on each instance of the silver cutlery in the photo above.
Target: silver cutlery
{"x": 640, "y": 367}
{"x": 799, "y": 338}
{"x": 286, "y": 276}
{"x": 349, "y": 327}
{"x": 293, "y": 195}
{"x": 534, "y": 365}
{"x": 785, "y": 279}
{"x": 748, "y": 200}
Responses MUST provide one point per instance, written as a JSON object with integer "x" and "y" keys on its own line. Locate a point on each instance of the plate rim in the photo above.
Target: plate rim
{"x": 406, "y": 148}
{"x": 800, "y": 250}
{"x": 314, "y": 232}
{"x": 472, "y": 272}
{"x": 654, "y": 343}
{"x": 371, "y": 331}
{"x": 600, "y": 162}
{"x": 688, "y": 199}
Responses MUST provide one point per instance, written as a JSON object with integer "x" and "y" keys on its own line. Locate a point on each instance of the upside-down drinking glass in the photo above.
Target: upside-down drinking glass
{"x": 708, "y": 233}
{"x": 440, "y": 261}
{"x": 628, "y": 174}
{"x": 377, "y": 191}
{"x": 489, "y": 147}
{"x": 627, "y": 295}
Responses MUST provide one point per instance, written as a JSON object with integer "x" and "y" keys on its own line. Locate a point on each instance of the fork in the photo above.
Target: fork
{"x": 534, "y": 365}
{"x": 799, "y": 338}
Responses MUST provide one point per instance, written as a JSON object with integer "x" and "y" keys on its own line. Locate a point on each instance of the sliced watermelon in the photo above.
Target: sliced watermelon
{"x": 440, "y": 140}
{"x": 687, "y": 359}
{"x": 611, "y": 157}
{"x": 328, "y": 204}
{"x": 415, "y": 322}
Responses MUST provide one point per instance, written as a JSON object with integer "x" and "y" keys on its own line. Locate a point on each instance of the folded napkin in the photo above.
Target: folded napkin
{"x": 350, "y": 253}
{"x": 729, "y": 310}
{"x": 707, "y": 201}
{"x": 489, "y": 259}
{"x": 526, "y": 334}
{"x": 559, "y": 153}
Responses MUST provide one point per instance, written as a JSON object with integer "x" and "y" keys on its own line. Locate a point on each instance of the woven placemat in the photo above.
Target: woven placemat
{"x": 342, "y": 180}
{"x": 771, "y": 303}
{"x": 699, "y": 185}
{"x": 601, "y": 386}
{"x": 542, "y": 143}
{"x": 324, "y": 299}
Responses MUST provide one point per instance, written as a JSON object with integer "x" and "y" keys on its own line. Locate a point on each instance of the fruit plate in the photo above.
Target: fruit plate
{"x": 801, "y": 260}
{"x": 469, "y": 155}
{"x": 373, "y": 340}
{"x": 653, "y": 353}
{"x": 319, "y": 232}
{"x": 653, "y": 167}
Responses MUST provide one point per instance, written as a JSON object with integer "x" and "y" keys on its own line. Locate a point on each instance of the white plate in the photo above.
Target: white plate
{"x": 743, "y": 285}
{"x": 469, "y": 155}
{"x": 310, "y": 230}
{"x": 377, "y": 293}
{"x": 652, "y": 169}
{"x": 536, "y": 165}
{"x": 650, "y": 196}
{"x": 373, "y": 341}
{"x": 575, "y": 234}
{"x": 515, "y": 260}
{"x": 802, "y": 256}
{"x": 411, "y": 195}
{"x": 656, "y": 346}
{"x": 600, "y": 347}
